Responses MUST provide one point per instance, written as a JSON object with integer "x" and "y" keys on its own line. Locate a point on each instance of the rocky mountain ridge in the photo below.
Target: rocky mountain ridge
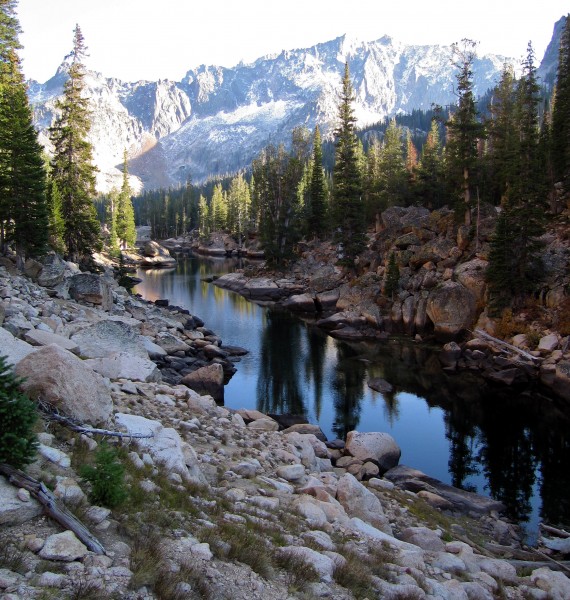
{"x": 216, "y": 120}
{"x": 222, "y": 504}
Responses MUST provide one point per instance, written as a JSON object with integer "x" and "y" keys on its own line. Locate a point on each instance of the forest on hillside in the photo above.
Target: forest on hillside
{"x": 509, "y": 150}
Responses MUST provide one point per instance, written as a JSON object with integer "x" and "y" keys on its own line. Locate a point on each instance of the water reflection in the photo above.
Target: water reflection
{"x": 454, "y": 426}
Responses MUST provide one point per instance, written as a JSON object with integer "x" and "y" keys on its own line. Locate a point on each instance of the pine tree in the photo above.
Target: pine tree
{"x": 430, "y": 177}
{"x": 72, "y": 167}
{"x": 464, "y": 130}
{"x": 219, "y": 208}
{"x": 317, "y": 219}
{"x": 17, "y": 414}
{"x": 560, "y": 131}
{"x": 125, "y": 218}
{"x": 502, "y": 135}
{"x": 23, "y": 208}
{"x": 239, "y": 207}
{"x": 524, "y": 204}
{"x": 349, "y": 216}
{"x": 56, "y": 223}
{"x": 392, "y": 282}
{"x": 392, "y": 168}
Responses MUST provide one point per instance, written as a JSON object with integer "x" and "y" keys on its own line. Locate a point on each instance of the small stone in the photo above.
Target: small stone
{"x": 23, "y": 495}
{"x": 291, "y": 472}
{"x": 63, "y": 546}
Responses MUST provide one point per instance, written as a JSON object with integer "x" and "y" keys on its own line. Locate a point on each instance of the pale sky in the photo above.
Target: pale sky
{"x": 160, "y": 39}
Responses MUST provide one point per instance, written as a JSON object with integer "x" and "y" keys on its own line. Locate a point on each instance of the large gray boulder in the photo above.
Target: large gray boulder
{"x": 53, "y": 271}
{"x": 472, "y": 276}
{"x": 207, "y": 380}
{"x": 13, "y": 348}
{"x": 67, "y": 383}
{"x": 451, "y": 308}
{"x": 122, "y": 365}
{"x": 107, "y": 337}
{"x": 360, "y": 502}
{"x": 377, "y": 447}
{"x": 13, "y": 510}
{"x": 40, "y": 337}
{"x": 416, "y": 481}
{"x": 155, "y": 255}
{"x": 89, "y": 287}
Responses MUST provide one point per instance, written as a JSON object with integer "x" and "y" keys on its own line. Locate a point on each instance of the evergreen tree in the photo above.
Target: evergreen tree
{"x": 239, "y": 207}
{"x": 23, "y": 207}
{"x": 430, "y": 185}
{"x": 392, "y": 168}
{"x": 277, "y": 175}
{"x": 219, "y": 208}
{"x": 56, "y": 223}
{"x": 17, "y": 414}
{"x": 317, "y": 218}
{"x": 204, "y": 227}
{"x": 464, "y": 130}
{"x": 524, "y": 203}
{"x": 392, "y": 282}
{"x": 111, "y": 211}
{"x": 560, "y": 131}
{"x": 349, "y": 217}
{"x": 72, "y": 167}
{"x": 502, "y": 135}
{"x": 125, "y": 219}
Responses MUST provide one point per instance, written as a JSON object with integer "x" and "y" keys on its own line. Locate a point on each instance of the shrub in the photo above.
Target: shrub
{"x": 18, "y": 414}
{"x": 107, "y": 477}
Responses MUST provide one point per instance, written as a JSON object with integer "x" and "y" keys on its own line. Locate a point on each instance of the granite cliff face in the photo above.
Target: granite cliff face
{"x": 216, "y": 120}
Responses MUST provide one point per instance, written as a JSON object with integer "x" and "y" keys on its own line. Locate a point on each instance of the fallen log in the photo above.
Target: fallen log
{"x": 503, "y": 344}
{"x": 52, "y": 507}
{"x": 555, "y": 531}
{"x": 71, "y": 424}
{"x": 537, "y": 564}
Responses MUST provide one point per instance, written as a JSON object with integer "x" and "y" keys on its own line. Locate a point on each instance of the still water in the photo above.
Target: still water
{"x": 513, "y": 446}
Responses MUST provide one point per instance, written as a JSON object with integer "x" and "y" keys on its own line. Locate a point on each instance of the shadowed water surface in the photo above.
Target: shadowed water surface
{"x": 512, "y": 445}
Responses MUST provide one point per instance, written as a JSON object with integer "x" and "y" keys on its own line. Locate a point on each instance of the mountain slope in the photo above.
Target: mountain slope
{"x": 216, "y": 120}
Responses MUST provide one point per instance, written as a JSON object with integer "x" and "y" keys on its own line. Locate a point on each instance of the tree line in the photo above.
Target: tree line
{"x": 514, "y": 155}
{"x": 49, "y": 202}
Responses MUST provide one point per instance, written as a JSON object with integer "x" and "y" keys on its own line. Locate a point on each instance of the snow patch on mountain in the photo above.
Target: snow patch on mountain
{"x": 216, "y": 120}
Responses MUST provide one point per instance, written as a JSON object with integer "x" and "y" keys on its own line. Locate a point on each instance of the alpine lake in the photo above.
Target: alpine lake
{"x": 510, "y": 444}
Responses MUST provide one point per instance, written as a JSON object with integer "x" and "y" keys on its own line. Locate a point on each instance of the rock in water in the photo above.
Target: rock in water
{"x": 380, "y": 385}
{"x": 207, "y": 381}
{"x": 379, "y": 448}
{"x": 451, "y": 308}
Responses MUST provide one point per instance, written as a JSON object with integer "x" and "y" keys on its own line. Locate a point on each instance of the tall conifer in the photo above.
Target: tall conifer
{"x": 318, "y": 206}
{"x": 560, "y": 136}
{"x": 464, "y": 130}
{"x": 125, "y": 219}
{"x": 349, "y": 216}
{"x": 23, "y": 209}
{"x": 72, "y": 166}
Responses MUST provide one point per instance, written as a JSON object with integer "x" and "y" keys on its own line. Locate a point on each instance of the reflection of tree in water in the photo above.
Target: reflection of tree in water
{"x": 461, "y": 433}
{"x": 508, "y": 456}
{"x": 554, "y": 456}
{"x": 315, "y": 364}
{"x": 348, "y": 390}
{"x": 278, "y": 389}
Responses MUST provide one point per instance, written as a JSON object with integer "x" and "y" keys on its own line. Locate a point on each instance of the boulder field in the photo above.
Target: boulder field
{"x": 220, "y": 503}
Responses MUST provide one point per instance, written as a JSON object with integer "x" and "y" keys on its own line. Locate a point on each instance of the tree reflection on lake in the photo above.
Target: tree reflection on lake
{"x": 511, "y": 444}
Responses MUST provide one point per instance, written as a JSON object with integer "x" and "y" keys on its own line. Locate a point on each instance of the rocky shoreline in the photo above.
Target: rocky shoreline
{"x": 236, "y": 504}
{"x": 441, "y": 297}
